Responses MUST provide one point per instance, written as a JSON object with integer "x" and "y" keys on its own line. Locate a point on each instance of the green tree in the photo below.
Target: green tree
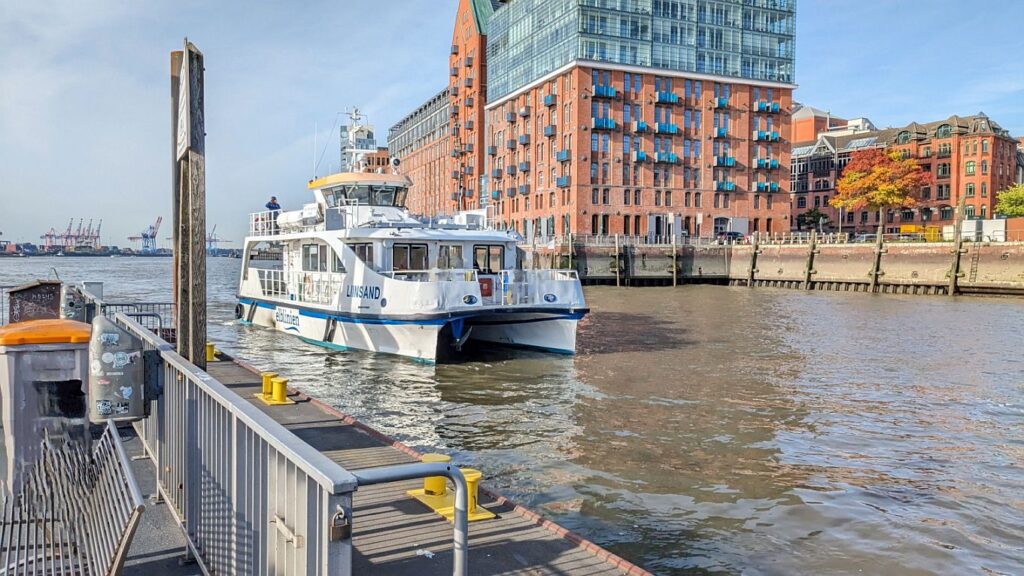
{"x": 1010, "y": 202}
{"x": 810, "y": 218}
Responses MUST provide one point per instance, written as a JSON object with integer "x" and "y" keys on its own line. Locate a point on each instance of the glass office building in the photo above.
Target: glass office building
{"x": 743, "y": 39}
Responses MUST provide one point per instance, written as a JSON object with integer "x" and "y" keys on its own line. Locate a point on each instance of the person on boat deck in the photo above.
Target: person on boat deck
{"x": 273, "y": 205}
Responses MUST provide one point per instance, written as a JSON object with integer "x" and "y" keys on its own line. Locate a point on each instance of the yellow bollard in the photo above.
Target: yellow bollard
{"x": 275, "y": 390}
{"x": 211, "y": 352}
{"x": 474, "y": 510}
{"x": 435, "y": 485}
{"x": 267, "y": 385}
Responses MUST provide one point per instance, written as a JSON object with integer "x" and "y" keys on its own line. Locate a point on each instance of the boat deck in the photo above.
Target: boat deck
{"x": 395, "y": 534}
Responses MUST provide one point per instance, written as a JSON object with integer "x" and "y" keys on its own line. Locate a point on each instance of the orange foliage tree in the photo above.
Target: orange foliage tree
{"x": 876, "y": 179}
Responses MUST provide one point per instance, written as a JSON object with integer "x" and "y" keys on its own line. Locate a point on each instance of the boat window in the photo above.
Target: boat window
{"x": 339, "y": 266}
{"x": 488, "y": 259}
{"x": 409, "y": 257}
{"x": 450, "y": 256}
{"x": 374, "y": 195}
{"x": 364, "y": 252}
{"x": 314, "y": 258}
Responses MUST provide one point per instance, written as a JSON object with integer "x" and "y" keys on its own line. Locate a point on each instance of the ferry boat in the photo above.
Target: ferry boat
{"x": 354, "y": 270}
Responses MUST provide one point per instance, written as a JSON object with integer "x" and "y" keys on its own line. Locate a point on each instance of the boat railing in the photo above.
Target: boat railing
{"x": 434, "y": 275}
{"x": 272, "y": 282}
{"x": 315, "y": 287}
{"x": 3, "y": 304}
{"x": 264, "y": 223}
{"x": 536, "y": 287}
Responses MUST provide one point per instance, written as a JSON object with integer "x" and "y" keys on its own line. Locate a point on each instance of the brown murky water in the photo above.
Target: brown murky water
{"x": 708, "y": 429}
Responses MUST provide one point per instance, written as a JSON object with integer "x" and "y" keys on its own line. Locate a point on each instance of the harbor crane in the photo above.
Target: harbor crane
{"x": 212, "y": 240}
{"x": 148, "y": 236}
{"x": 82, "y": 238}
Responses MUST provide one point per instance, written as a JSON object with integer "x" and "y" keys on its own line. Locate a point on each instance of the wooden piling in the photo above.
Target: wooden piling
{"x": 189, "y": 202}
{"x": 958, "y": 248}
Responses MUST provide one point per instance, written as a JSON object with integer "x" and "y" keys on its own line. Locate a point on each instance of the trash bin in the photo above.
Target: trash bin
{"x": 44, "y": 367}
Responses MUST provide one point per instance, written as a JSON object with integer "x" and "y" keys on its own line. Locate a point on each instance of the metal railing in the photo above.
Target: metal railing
{"x": 264, "y": 223}
{"x": 76, "y": 512}
{"x": 3, "y": 304}
{"x": 272, "y": 282}
{"x": 433, "y": 275}
{"x": 251, "y": 496}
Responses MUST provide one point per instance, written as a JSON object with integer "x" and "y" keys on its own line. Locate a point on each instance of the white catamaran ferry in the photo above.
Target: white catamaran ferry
{"x": 354, "y": 270}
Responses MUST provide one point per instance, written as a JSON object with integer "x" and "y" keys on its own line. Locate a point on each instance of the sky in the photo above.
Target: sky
{"x": 85, "y": 96}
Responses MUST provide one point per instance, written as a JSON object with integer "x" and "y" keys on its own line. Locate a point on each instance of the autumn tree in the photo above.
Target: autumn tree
{"x": 1010, "y": 202}
{"x": 876, "y": 179}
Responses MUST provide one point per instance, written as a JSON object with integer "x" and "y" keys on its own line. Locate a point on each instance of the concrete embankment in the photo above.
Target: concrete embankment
{"x": 890, "y": 267}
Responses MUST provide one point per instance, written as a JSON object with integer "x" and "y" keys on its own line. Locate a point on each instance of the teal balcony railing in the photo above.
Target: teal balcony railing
{"x": 496, "y": 173}
{"x": 666, "y": 97}
{"x": 725, "y": 161}
{"x": 766, "y": 106}
{"x": 640, "y": 126}
{"x": 721, "y": 102}
{"x": 721, "y": 132}
{"x": 640, "y": 156}
{"x": 562, "y": 156}
{"x": 725, "y": 186}
{"x": 524, "y": 166}
{"x": 562, "y": 182}
{"x": 666, "y": 128}
{"x": 604, "y": 124}
{"x": 510, "y": 191}
{"x": 492, "y": 150}
{"x": 667, "y": 158}
{"x": 524, "y": 189}
{"x": 604, "y": 91}
{"x": 524, "y": 139}
{"x": 549, "y": 130}
{"x": 550, "y": 100}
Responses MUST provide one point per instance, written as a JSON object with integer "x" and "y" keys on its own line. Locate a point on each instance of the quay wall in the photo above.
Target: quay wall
{"x": 902, "y": 267}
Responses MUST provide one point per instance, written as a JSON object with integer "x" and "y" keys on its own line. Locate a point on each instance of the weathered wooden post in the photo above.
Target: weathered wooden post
{"x": 188, "y": 139}
{"x": 618, "y": 263}
{"x": 958, "y": 247}
{"x": 675, "y": 262}
{"x": 570, "y": 250}
{"x": 812, "y": 249}
{"x": 755, "y": 250}
{"x": 876, "y": 265}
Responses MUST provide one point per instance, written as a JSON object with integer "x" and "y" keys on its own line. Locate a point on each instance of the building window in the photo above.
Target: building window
{"x": 969, "y": 212}
{"x": 969, "y": 190}
{"x": 984, "y": 189}
{"x": 903, "y": 137}
{"x": 926, "y": 192}
{"x": 984, "y": 146}
{"x": 943, "y": 131}
{"x": 605, "y": 196}
{"x": 970, "y": 166}
{"x": 801, "y": 202}
{"x": 984, "y": 166}
{"x": 657, "y": 197}
{"x": 594, "y": 196}
{"x": 636, "y": 197}
{"x": 668, "y": 197}
{"x": 625, "y": 197}
{"x": 946, "y": 212}
{"x": 696, "y": 199}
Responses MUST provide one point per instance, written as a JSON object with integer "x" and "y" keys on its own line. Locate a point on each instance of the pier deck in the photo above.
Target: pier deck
{"x": 393, "y": 533}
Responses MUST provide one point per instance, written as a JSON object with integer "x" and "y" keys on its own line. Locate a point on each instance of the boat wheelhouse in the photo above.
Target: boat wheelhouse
{"x": 354, "y": 270}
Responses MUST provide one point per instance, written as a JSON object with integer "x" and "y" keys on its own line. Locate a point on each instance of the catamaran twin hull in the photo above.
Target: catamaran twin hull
{"x": 429, "y": 337}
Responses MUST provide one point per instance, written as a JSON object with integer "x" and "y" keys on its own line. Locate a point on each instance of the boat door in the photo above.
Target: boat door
{"x": 489, "y": 261}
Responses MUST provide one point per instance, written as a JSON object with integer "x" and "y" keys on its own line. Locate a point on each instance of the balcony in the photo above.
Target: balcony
{"x": 524, "y": 139}
{"x": 767, "y": 186}
{"x": 456, "y": 174}
{"x": 666, "y": 128}
{"x": 942, "y": 175}
{"x": 467, "y": 148}
{"x": 455, "y": 48}
{"x": 453, "y": 91}
{"x": 468, "y": 192}
{"x": 562, "y": 182}
{"x": 510, "y": 144}
{"x": 454, "y": 71}
{"x": 725, "y": 186}
{"x": 550, "y": 100}
{"x": 766, "y": 164}
{"x": 604, "y": 91}
{"x": 492, "y": 150}
{"x": 524, "y": 189}
{"x": 524, "y": 166}
{"x": 468, "y": 101}
{"x": 562, "y": 156}
{"x": 666, "y": 158}
{"x": 510, "y": 191}
{"x": 721, "y": 102}
{"x": 468, "y": 170}
{"x": 639, "y": 126}
{"x": 766, "y": 106}
{"x": 496, "y": 173}
{"x": 549, "y": 130}
{"x": 725, "y": 161}
{"x": 468, "y": 124}
{"x": 453, "y": 110}
{"x": 943, "y": 153}
{"x": 496, "y": 194}
{"x": 721, "y": 133}
{"x": 640, "y": 156}
{"x": 468, "y": 83}
{"x": 667, "y": 98}
{"x": 773, "y": 136}
{"x": 603, "y": 124}
{"x": 455, "y": 152}
{"x": 524, "y": 111}
{"x": 510, "y": 169}
{"x": 510, "y": 117}
{"x": 765, "y": 136}
{"x": 469, "y": 62}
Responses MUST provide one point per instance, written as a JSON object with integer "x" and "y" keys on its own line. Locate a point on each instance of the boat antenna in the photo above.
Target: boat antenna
{"x": 316, "y": 162}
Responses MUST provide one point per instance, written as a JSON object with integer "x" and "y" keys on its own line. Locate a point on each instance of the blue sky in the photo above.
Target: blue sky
{"x": 84, "y": 96}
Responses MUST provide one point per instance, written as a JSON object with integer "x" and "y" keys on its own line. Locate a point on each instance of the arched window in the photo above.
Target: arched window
{"x": 969, "y": 212}
{"x": 943, "y": 131}
{"x": 903, "y": 137}
{"x": 984, "y": 166}
{"x": 984, "y": 211}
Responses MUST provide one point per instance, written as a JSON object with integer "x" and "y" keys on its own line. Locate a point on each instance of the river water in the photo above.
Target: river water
{"x": 707, "y": 429}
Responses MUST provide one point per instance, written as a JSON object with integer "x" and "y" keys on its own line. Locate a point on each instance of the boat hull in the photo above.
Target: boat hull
{"x": 437, "y": 339}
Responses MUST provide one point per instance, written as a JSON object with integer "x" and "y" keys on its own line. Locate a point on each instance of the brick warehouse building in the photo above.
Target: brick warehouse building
{"x": 654, "y": 117}
{"x": 968, "y": 156}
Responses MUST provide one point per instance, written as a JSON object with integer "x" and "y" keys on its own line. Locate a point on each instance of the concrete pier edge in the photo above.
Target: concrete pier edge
{"x": 612, "y": 559}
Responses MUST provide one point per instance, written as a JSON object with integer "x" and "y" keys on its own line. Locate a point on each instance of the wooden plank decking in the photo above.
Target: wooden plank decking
{"x": 392, "y": 532}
